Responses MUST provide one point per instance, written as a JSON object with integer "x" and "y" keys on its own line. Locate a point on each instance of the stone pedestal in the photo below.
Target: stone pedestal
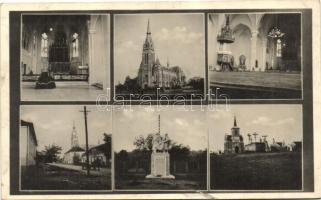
{"x": 160, "y": 167}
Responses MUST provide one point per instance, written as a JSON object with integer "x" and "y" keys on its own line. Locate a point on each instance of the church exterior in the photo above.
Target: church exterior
{"x": 75, "y": 150}
{"x": 152, "y": 74}
{"x": 234, "y": 142}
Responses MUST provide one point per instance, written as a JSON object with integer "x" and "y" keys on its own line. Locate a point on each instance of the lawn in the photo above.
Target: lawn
{"x": 45, "y": 177}
{"x": 256, "y": 171}
{"x": 139, "y": 182}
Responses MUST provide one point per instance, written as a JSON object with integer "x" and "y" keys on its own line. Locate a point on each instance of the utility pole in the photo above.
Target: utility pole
{"x": 86, "y": 131}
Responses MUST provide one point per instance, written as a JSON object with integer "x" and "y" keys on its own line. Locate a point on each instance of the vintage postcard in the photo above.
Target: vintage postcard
{"x": 161, "y": 100}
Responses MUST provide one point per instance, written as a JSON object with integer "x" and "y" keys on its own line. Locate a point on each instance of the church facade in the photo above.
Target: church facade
{"x": 75, "y": 150}
{"x": 233, "y": 143}
{"x": 152, "y": 73}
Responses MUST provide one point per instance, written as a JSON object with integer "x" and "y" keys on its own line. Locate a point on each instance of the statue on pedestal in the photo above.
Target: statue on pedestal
{"x": 160, "y": 166}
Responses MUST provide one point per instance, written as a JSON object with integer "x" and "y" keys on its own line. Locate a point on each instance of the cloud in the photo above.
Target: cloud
{"x": 181, "y": 122}
{"x": 265, "y": 121}
{"x": 127, "y": 45}
{"x": 179, "y": 34}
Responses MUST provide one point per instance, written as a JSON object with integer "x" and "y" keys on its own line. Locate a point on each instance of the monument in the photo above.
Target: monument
{"x": 160, "y": 158}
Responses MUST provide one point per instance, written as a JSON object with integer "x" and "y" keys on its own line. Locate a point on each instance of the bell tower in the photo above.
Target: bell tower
{"x": 235, "y": 130}
{"x": 74, "y": 137}
{"x": 148, "y": 59}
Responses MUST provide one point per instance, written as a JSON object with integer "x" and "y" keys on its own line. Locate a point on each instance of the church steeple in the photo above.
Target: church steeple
{"x": 148, "y": 45}
{"x": 235, "y": 124}
{"x": 148, "y": 28}
{"x": 74, "y": 136}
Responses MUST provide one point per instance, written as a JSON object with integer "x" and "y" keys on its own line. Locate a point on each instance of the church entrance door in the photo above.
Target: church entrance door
{"x": 236, "y": 149}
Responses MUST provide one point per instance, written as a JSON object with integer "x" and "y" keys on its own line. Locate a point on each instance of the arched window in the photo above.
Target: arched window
{"x": 278, "y": 48}
{"x": 44, "y": 45}
{"x": 75, "y": 45}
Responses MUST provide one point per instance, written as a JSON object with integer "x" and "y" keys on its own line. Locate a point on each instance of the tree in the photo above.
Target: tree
{"x": 142, "y": 143}
{"x": 51, "y": 153}
{"x": 197, "y": 83}
{"x": 179, "y": 151}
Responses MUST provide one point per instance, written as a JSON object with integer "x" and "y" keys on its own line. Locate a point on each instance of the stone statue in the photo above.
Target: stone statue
{"x": 242, "y": 60}
{"x": 166, "y": 142}
{"x": 158, "y": 144}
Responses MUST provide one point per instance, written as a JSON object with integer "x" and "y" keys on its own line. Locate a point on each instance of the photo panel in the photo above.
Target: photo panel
{"x": 159, "y": 54}
{"x": 65, "y": 148}
{"x": 255, "y": 55}
{"x": 64, "y": 57}
{"x": 256, "y": 147}
{"x": 160, "y": 149}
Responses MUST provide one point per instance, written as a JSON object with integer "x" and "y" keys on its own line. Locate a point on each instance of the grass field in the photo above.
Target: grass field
{"x": 45, "y": 177}
{"x": 195, "y": 182}
{"x": 256, "y": 171}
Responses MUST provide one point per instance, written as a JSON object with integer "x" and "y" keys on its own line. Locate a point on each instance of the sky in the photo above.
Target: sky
{"x": 53, "y": 124}
{"x": 281, "y": 122}
{"x": 178, "y": 37}
{"x": 184, "y": 127}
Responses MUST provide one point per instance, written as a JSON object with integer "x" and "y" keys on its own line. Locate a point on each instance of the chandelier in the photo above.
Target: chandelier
{"x": 275, "y": 33}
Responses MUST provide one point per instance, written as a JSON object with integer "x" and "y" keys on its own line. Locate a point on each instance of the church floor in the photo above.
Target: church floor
{"x": 64, "y": 91}
{"x": 47, "y": 177}
{"x": 257, "y": 85}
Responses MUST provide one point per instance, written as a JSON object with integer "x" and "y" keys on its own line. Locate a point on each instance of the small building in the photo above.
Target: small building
{"x": 234, "y": 142}
{"x": 28, "y": 144}
{"x": 98, "y": 152}
{"x": 73, "y": 155}
{"x": 297, "y": 147}
{"x": 255, "y": 147}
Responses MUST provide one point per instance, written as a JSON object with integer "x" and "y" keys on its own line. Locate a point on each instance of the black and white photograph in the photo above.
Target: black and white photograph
{"x": 65, "y": 148}
{"x": 160, "y": 150}
{"x": 64, "y": 57}
{"x": 256, "y": 147}
{"x": 159, "y": 54}
{"x": 255, "y": 55}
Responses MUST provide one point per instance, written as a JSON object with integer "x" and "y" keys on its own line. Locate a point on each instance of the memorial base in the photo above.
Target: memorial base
{"x": 160, "y": 166}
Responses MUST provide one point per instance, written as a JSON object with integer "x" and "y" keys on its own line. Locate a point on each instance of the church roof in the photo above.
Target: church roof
{"x": 75, "y": 149}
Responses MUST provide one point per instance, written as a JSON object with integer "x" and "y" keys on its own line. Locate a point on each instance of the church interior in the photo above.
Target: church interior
{"x": 72, "y": 49}
{"x": 255, "y": 42}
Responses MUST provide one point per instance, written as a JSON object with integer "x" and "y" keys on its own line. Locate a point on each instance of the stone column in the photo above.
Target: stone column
{"x": 253, "y": 49}
{"x": 91, "y": 50}
{"x": 264, "y": 42}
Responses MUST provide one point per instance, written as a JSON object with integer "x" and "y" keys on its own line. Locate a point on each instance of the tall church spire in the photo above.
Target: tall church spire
{"x": 74, "y": 136}
{"x": 148, "y": 45}
{"x": 235, "y": 124}
{"x": 148, "y": 28}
